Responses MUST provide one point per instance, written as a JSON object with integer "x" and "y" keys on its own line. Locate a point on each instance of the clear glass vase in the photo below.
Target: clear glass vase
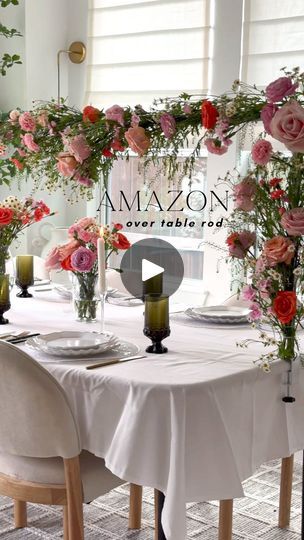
{"x": 86, "y": 299}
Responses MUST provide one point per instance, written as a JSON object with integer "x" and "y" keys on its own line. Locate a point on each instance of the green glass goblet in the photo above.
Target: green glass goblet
{"x": 156, "y": 322}
{"x": 4, "y": 297}
{"x": 24, "y": 274}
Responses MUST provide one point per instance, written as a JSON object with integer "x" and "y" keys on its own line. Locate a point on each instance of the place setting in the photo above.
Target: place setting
{"x": 217, "y": 317}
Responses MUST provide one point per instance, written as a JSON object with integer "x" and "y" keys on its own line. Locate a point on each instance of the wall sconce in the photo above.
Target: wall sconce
{"x": 76, "y": 53}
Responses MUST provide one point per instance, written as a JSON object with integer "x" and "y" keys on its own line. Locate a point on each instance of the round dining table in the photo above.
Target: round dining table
{"x": 192, "y": 423}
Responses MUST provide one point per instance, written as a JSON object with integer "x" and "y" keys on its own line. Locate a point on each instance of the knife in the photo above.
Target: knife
{"x": 115, "y": 361}
{"x": 20, "y": 339}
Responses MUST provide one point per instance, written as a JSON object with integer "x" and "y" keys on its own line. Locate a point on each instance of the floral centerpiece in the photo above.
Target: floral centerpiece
{"x": 15, "y": 216}
{"x": 79, "y": 256}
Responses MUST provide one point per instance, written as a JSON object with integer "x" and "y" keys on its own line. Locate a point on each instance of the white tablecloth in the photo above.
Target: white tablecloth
{"x": 193, "y": 423}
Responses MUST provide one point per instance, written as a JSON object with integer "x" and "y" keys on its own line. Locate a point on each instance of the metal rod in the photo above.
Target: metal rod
{"x": 68, "y": 51}
{"x": 161, "y": 500}
{"x": 302, "y": 523}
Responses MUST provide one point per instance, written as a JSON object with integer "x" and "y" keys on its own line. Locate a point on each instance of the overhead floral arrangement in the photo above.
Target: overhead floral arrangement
{"x": 63, "y": 147}
{"x": 266, "y": 228}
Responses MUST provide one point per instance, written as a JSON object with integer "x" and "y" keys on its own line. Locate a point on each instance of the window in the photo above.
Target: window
{"x": 273, "y": 37}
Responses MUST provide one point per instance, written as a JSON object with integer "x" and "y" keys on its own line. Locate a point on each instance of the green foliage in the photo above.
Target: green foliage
{"x": 7, "y": 61}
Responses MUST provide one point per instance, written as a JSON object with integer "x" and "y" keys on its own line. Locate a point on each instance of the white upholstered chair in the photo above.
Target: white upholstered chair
{"x": 41, "y": 459}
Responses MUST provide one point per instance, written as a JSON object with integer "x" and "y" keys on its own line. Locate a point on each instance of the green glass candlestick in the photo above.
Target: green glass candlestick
{"x": 24, "y": 274}
{"x": 156, "y": 322}
{"x": 4, "y": 296}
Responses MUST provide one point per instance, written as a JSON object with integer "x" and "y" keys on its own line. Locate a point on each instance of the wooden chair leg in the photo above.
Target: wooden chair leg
{"x": 74, "y": 498}
{"x": 156, "y": 514}
{"x": 135, "y": 506}
{"x": 225, "y": 519}
{"x": 285, "y": 491}
{"x": 65, "y": 523}
{"x": 20, "y": 514}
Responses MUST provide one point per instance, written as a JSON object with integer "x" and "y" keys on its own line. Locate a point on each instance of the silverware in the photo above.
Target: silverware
{"x": 115, "y": 361}
{"x": 5, "y": 337}
{"x": 20, "y": 339}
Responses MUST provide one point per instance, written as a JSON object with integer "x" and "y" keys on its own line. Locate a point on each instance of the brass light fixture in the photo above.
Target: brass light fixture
{"x": 77, "y": 53}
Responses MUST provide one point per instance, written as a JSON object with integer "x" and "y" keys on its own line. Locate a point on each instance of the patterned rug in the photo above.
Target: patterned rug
{"x": 255, "y": 517}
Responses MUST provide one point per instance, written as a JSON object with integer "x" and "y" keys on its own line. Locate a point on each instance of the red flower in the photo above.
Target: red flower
{"x": 122, "y": 242}
{"x": 117, "y": 145}
{"x": 209, "y": 114}
{"x": 107, "y": 153}
{"x": 274, "y": 182}
{"x": 6, "y": 216}
{"x": 17, "y": 163}
{"x": 66, "y": 264}
{"x": 45, "y": 208}
{"x": 285, "y": 306}
{"x": 38, "y": 214}
{"x": 232, "y": 238}
{"x": 25, "y": 219}
{"x": 90, "y": 114}
{"x": 117, "y": 226}
{"x": 277, "y": 194}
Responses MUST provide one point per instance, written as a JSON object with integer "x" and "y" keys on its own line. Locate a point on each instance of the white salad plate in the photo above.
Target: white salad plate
{"x": 74, "y": 343}
{"x": 219, "y": 314}
{"x": 121, "y": 349}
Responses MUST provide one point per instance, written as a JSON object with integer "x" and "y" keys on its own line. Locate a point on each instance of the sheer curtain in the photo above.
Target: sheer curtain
{"x": 273, "y": 37}
{"x": 143, "y": 49}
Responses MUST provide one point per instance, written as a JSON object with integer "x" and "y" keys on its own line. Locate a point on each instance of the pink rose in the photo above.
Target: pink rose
{"x": 14, "y": 115}
{"x": 261, "y": 152}
{"x": 27, "y": 122}
{"x": 287, "y": 126}
{"x": 248, "y": 293}
{"x": 66, "y": 164}
{"x": 79, "y": 148}
{"x": 82, "y": 223}
{"x": 293, "y": 221}
{"x": 244, "y": 193}
{"x": 168, "y": 125}
{"x": 115, "y": 113}
{"x": 267, "y": 114}
{"x": 83, "y": 259}
{"x": 278, "y": 250}
{"x": 138, "y": 140}
{"x": 214, "y": 146}
{"x": 67, "y": 249}
{"x": 28, "y": 141}
{"x": 52, "y": 261}
{"x": 280, "y": 88}
{"x": 239, "y": 243}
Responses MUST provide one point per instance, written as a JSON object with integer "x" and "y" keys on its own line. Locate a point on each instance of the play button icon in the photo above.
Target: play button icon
{"x": 150, "y": 270}
{"x": 152, "y": 265}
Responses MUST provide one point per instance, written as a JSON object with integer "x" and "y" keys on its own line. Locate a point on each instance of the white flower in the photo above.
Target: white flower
{"x": 297, "y": 271}
{"x": 230, "y": 109}
{"x": 291, "y": 248}
{"x": 13, "y": 203}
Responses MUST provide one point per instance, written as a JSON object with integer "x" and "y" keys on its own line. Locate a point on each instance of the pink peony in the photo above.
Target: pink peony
{"x": 43, "y": 119}
{"x": 135, "y": 119}
{"x": 27, "y": 122}
{"x": 248, "y": 293}
{"x": 261, "y": 152}
{"x": 214, "y": 146}
{"x": 28, "y": 141}
{"x": 244, "y": 193}
{"x": 138, "y": 140}
{"x": 84, "y": 180}
{"x": 79, "y": 148}
{"x": 83, "y": 259}
{"x": 267, "y": 114}
{"x": 14, "y": 115}
{"x": 255, "y": 313}
{"x": 66, "y": 164}
{"x": 278, "y": 250}
{"x": 115, "y": 113}
{"x": 168, "y": 125}
{"x": 280, "y": 88}
{"x": 287, "y": 126}
{"x": 293, "y": 221}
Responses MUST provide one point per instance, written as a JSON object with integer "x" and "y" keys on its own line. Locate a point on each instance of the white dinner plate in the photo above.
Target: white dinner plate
{"x": 75, "y": 343}
{"x": 219, "y": 314}
{"x": 121, "y": 349}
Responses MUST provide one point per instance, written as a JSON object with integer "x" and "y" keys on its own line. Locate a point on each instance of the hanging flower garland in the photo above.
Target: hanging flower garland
{"x": 63, "y": 147}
